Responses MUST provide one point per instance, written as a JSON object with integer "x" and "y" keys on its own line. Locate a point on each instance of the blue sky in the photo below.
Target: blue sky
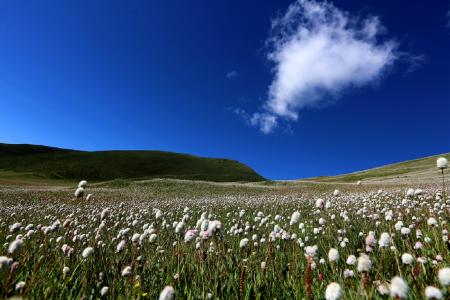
{"x": 202, "y": 77}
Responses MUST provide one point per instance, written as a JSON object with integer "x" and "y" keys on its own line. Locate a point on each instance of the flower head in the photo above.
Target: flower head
{"x": 442, "y": 163}
{"x": 398, "y": 288}
{"x": 333, "y": 291}
{"x": 167, "y": 293}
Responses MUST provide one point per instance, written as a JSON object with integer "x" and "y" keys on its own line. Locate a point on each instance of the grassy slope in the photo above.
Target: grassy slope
{"x": 422, "y": 167}
{"x": 30, "y": 162}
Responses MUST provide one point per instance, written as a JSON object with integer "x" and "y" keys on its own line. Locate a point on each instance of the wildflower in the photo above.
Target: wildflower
{"x": 120, "y": 246}
{"x": 385, "y": 240}
{"x": 243, "y": 243}
{"x": 126, "y": 271}
{"x": 405, "y": 231}
{"x": 441, "y": 163}
{"x": 153, "y": 237}
{"x": 65, "y": 270}
{"x": 444, "y": 276}
{"x": 104, "y": 214}
{"x": 432, "y": 222}
{"x": 333, "y": 291}
{"x": 190, "y": 235}
{"x": 14, "y": 227}
{"x": 295, "y": 218}
{"x": 348, "y": 273}
{"x": 320, "y": 203}
{"x": 432, "y": 292}
{"x": 104, "y": 290}
{"x": 407, "y": 259}
{"x": 311, "y": 251}
{"x": 383, "y": 289}
{"x": 79, "y": 192}
{"x": 418, "y": 245}
{"x": 15, "y": 246}
{"x": 4, "y": 262}
{"x": 333, "y": 255}
{"x": 351, "y": 260}
{"x": 399, "y": 288}
{"x": 364, "y": 263}
{"x": 87, "y": 252}
{"x": 263, "y": 265}
{"x": 410, "y": 192}
{"x": 370, "y": 242}
{"x": 167, "y": 293}
{"x": 20, "y": 285}
{"x": 82, "y": 184}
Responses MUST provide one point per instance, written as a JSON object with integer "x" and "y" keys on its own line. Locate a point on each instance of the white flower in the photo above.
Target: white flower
{"x": 385, "y": 240}
{"x": 398, "y": 287}
{"x": 348, "y": 273}
{"x": 190, "y": 235}
{"x": 333, "y": 291}
{"x": 311, "y": 251}
{"x": 432, "y": 222}
{"x": 104, "y": 213}
{"x": 333, "y": 254}
{"x": 79, "y": 192}
{"x": 135, "y": 237}
{"x": 405, "y": 231}
{"x": 243, "y": 243}
{"x": 336, "y": 193}
{"x": 432, "y": 292}
{"x": 263, "y": 265}
{"x": 65, "y": 270}
{"x": 120, "y": 246}
{"x": 89, "y": 197}
{"x": 320, "y": 203}
{"x": 295, "y": 218}
{"x": 351, "y": 260}
{"x": 87, "y": 252}
{"x": 407, "y": 258}
{"x": 442, "y": 163}
{"x": 126, "y": 271}
{"x": 14, "y": 227}
{"x": 20, "y": 285}
{"x": 104, "y": 290}
{"x": 4, "y": 262}
{"x": 444, "y": 276}
{"x": 153, "y": 237}
{"x": 410, "y": 192}
{"x": 167, "y": 293}
{"x": 383, "y": 289}
{"x": 364, "y": 263}
{"x": 82, "y": 184}
{"x": 15, "y": 245}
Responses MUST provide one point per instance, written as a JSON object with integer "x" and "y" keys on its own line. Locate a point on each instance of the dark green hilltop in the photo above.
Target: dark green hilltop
{"x": 42, "y": 162}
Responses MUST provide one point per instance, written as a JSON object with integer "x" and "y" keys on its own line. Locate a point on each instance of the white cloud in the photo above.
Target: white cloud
{"x": 233, "y": 74}
{"x": 448, "y": 19}
{"x": 320, "y": 51}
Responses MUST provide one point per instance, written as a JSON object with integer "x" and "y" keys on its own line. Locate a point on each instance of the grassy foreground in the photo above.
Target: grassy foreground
{"x": 222, "y": 241}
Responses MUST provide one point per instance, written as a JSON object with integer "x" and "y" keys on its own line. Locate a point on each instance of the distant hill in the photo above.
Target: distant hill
{"x": 418, "y": 170}
{"x": 42, "y": 162}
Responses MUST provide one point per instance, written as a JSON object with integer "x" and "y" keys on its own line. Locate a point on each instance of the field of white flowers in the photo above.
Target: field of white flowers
{"x": 171, "y": 240}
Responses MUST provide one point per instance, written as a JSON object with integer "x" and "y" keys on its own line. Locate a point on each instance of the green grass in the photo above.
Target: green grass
{"x": 217, "y": 266}
{"x": 41, "y": 162}
{"x": 396, "y": 170}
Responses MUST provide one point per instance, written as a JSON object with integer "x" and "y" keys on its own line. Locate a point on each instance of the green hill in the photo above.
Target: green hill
{"x": 48, "y": 163}
{"x": 417, "y": 170}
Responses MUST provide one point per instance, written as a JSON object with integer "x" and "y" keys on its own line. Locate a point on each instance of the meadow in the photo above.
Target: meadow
{"x": 172, "y": 239}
